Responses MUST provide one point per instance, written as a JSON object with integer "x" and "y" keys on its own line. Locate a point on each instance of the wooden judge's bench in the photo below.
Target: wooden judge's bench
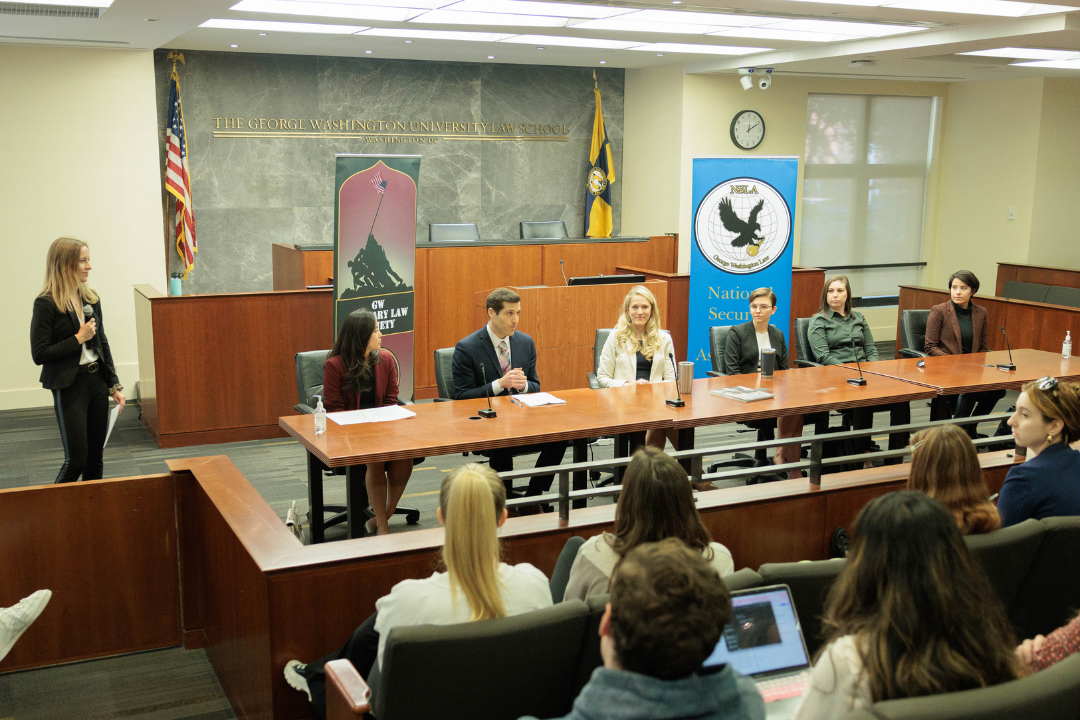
{"x": 220, "y": 367}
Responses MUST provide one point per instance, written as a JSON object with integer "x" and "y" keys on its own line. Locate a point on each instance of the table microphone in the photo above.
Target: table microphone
{"x": 486, "y": 412}
{"x": 1011, "y": 366}
{"x": 860, "y": 381}
{"x": 680, "y": 402}
{"x": 565, "y": 281}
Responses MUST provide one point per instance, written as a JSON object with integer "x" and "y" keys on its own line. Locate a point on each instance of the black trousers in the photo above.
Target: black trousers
{"x": 899, "y": 414}
{"x": 502, "y": 460}
{"x": 82, "y": 411}
{"x": 974, "y": 404}
{"x": 362, "y": 650}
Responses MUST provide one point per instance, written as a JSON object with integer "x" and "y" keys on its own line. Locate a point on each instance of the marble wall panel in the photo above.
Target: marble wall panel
{"x": 249, "y": 193}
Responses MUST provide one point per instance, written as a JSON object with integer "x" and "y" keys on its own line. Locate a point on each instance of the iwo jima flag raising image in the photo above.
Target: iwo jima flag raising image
{"x": 375, "y": 249}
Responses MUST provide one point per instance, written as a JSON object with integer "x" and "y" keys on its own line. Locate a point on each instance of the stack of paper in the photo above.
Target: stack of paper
{"x": 379, "y": 414}
{"x": 743, "y": 393}
{"x": 537, "y": 399}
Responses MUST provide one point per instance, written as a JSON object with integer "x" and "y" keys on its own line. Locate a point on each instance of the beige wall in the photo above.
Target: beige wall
{"x": 78, "y": 148}
{"x": 1055, "y": 217}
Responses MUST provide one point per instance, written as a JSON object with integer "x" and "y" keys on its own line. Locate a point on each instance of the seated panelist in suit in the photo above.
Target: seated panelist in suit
{"x": 742, "y": 355}
{"x": 637, "y": 352}
{"x": 359, "y": 374}
{"x": 958, "y": 327}
{"x": 498, "y": 360}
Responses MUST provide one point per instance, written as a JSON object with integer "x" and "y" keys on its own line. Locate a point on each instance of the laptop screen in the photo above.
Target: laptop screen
{"x": 763, "y": 635}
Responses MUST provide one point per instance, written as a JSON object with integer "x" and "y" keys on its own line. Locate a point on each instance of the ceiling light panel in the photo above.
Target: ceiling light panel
{"x": 524, "y": 7}
{"x": 450, "y": 17}
{"x": 564, "y": 41}
{"x": 72, "y": 3}
{"x": 1025, "y": 53}
{"x": 860, "y": 3}
{"x": 270, "y": 26}
{"x": 679, "y": 16}
{"x": 419, "y": 4}
{"x": 437, "y": 34}
{"x": 774, "y": 34}
{"x": 334, "y": 10}
{"x": 845, "y": 28}
{"x": 1000, "y": 8}
{"x": 1056, "y": 64}
{"x": 700, "y": 49}
{"x": 621, "y": 25}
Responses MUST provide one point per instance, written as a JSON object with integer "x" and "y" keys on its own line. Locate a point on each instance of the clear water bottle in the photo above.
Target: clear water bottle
{"x": 320, "y": 417}
{"x": 1066, "y": 347}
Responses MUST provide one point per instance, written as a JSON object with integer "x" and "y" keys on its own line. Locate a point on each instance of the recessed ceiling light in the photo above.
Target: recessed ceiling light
{"x": 491, "y": 57}
{"x": 262, "y": 34}
{"x": 603, "y": 62}
{"x": 700, "y": 49}
{"x": 367, "y": 52}
{"x": 659, "y": 54}
{"x": 1025, "y": 53}
{"x": 437, "y": 34}
{"x": 234, "y": 46}
{"x": 324, "y": 9}
{"x": 526, "y": 7}
{"x": 539, "y": 48}
{"x": 1000, "y": 8}
{"x": 638, "y": 26}
{"x": 1057, "y": 64}
{"x": 408, "y": 42}
{"x": 564, "y": 41}
{"x": 452, "y": 17}
{"x": 271, "y": 26}
{"x": 676, "y": 2}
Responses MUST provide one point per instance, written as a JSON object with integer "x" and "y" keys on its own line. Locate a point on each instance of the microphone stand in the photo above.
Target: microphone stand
{"x": 680, "y": 402}
{"x": 861, "y": 380}
{"x": 563, "y": 271}
{"x": 486, "y": 412}
{"x": 1011, "y": 365}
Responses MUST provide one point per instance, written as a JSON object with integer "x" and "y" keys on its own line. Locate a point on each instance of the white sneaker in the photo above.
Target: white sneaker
{"x": 294, "y": 675}
{"x": 15, "y": 619}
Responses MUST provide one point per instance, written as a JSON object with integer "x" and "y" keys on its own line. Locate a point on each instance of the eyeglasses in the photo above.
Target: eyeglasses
{"x": 760, "y": 308}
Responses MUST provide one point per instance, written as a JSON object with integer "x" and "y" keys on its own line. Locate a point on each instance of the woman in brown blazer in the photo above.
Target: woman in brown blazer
{"x": 957, "y": 327}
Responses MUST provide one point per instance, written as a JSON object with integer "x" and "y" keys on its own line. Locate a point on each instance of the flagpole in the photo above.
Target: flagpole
{"x": 377, "y": 208}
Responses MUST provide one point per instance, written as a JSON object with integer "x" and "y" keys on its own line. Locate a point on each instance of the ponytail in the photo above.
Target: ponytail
{"x": 472, "y": 500}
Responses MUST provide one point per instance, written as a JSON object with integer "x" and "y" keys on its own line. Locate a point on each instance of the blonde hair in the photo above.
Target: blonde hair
{"x": 472, "y": 499}
{"x": 61, "y": 277}
{"x": 945, "y": 466}
{"x": 624, "y": 329}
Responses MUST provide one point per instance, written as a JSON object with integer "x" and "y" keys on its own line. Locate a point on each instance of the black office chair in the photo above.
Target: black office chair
{"x": 453, "y": 232}
{"x": 913, "y": 333}
{"x": 444, "y": 374}
{"x": 1016, "y": 290}
{"x": 309, "y": 383}
{"x": 543, "y": 230}
{"x": 597, "y": 349}
{"x": 802, "y": 344}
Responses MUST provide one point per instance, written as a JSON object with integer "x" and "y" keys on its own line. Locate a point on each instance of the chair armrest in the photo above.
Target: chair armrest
{"x": 593, "y": 382}
{"x": 713, "y": 373}
{"x": 442, "y": 399}
{"x": 348, "y": 697}
{"x": 405, "y": 401}
{"x": 807, "y": 363}
{"x": 908, "y": 353}
{"x": 304, "y": 409}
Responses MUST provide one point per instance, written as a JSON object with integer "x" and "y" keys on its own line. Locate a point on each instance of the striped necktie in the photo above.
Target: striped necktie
{"x": 504, "y": 356}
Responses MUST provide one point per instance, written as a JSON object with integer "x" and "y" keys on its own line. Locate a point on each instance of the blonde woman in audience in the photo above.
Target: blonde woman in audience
{"x": 911, "y": 614}
{"x": 945, "y": 466}
{"x": 656, "y": 503}
{"x": 477, "y": 585}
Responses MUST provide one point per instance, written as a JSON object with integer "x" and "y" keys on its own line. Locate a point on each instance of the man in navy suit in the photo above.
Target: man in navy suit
{"x": 508, "y": 362}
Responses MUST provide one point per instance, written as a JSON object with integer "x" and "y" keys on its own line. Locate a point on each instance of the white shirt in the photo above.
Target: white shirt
{"x": 838, "y": 683}
{"x": 495, "y": 340}
{"x": 428, "y": 601}
{"x": 763, "y": 343}
{"x": 88, "y": 355}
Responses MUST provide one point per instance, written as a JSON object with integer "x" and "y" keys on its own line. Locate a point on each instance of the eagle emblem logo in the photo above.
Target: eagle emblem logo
{"x": 742, "y": 225}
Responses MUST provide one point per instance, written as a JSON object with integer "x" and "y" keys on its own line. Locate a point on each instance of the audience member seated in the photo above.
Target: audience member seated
{"x": 475, "y": 586}
{"x": 742, "y": 355}
{"x": 838, "y": 334}
{"x": 1041, "y": 652}
{"x": 656, "y": 503}
{"x": 359, "y": 374}
{"x": 911, "y": 614}
{"x": 945, "y": 466}
{"x": 957, "y": 327}
{"x": 16, "y": 619}
{"x": 637, "y": 352}
{"x": 1046, "y": 422}
{"x": 667, "y": 611}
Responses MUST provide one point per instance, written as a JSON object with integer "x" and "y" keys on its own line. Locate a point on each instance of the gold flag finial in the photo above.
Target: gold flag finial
{"x": 173, "y": 57}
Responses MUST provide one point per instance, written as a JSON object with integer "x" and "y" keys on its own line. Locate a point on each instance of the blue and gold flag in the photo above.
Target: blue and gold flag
{"x": 601, "y": 175}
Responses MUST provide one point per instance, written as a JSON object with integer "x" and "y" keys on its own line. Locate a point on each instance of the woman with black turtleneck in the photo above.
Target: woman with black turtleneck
{"x": 957, "y": 327}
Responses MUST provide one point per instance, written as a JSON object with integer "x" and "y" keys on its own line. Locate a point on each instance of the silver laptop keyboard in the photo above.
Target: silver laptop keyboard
{"x": 785, "y": 686}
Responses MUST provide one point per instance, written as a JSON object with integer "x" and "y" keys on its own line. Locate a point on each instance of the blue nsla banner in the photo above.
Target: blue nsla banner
{"x": 744, "y": 211}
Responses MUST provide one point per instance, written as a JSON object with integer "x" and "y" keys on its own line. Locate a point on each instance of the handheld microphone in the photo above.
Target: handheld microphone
{"x": 680, "y": 402}
{"x": 565, "y": 281}
{"x": 1010, "y": 366}
{"x": 861, "y": 380}
{"x": 486, "y": 412}
{"x": 88, "y": 313}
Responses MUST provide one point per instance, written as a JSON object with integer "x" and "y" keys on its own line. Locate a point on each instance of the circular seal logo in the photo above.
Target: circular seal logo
{"x": 597, "y": 181}
{"x": 742, "y": 226}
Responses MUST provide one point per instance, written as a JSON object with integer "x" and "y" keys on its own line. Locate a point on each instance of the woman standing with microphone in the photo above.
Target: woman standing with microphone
{"x": 67, "y": 338}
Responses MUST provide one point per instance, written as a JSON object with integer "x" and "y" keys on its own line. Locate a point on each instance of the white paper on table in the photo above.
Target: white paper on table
{"x": 537, "y": 399}
{"x": 379, "y": 414}
{"x": 113, "y": 414}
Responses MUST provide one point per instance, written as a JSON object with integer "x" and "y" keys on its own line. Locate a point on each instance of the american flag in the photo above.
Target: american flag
{"x": 178, "y": 179}
{"x": 379, "y": 183}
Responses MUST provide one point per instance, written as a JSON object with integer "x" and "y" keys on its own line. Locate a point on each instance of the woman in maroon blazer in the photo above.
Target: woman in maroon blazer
{"x": 957, "y": 327}
{"x": 359, "y": 374}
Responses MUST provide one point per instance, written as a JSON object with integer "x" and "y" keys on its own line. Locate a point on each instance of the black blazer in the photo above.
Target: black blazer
{"x": 476, "y": 351}
{"x": 54, "y": 347}
{"x": 741, "y": 349}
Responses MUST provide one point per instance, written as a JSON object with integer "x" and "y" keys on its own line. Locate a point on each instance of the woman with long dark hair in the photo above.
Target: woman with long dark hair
{"x": 656, "y": 502}
{"x": 911, "y": 614}
{"x": 359, "y": 374}
{"x": 77, "y": 365}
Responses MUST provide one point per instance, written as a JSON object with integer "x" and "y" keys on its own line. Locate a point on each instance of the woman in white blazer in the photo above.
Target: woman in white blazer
{"x": 637, "y": 350}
